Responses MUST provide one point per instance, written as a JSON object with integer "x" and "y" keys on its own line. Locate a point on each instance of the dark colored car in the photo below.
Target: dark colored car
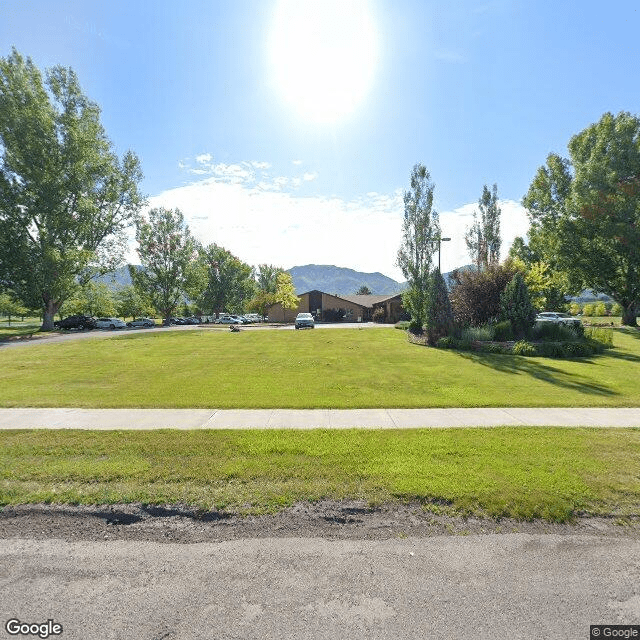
{"x": 76, "y": 322}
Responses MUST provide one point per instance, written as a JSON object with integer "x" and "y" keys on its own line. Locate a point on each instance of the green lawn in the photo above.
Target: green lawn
{"x": 339, "y": 368}
{"x": 18, "y": 327}
{"x": 525, "y": 473}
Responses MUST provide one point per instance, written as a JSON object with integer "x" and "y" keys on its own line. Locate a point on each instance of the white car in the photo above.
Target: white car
{"x": 228, "y": 320}
{"x": 304, "y": 320}
{"x": 557, "y": 318}
{"x": 110, "y": 323}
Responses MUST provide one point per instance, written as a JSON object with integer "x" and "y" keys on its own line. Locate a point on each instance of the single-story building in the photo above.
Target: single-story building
{"x": 326, "y": 307}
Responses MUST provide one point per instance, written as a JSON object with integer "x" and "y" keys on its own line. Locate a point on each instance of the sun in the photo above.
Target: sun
{"x": 323, "y": 55}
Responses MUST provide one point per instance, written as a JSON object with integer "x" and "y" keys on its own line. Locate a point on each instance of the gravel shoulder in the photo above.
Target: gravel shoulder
{"x": 327, "y": 519}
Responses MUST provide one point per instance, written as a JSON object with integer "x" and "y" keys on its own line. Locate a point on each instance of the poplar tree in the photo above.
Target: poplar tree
{"x": 483, "y": 237}
{"x": 420, "y": 233}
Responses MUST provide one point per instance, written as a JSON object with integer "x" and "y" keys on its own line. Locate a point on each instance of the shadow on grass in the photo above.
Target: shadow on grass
{"x": 634, "y": 332}
{"x": 540, "y": 371}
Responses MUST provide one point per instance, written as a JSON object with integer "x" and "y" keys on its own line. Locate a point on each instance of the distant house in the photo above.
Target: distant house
{"x": 326, "y": 307}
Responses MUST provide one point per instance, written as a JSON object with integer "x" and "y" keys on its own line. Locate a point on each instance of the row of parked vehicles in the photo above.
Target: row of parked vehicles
{"x": 81, "y": 322}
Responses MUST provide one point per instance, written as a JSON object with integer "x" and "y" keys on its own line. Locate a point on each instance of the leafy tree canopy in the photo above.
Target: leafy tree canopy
{"x": 168, "y": 255}
{"x": 585, "y": 211}
{"x": 229, "y": 281}
{"x": 65, "y": 197}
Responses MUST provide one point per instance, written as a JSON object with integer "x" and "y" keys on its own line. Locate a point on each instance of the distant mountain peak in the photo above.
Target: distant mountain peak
{"x": 341, "y": 280}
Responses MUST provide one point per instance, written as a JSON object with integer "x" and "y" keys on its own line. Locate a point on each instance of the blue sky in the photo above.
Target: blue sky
{"x": 225, "y": 103}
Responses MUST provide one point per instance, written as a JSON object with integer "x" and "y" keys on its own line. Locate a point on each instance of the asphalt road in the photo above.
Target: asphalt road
{"x": 486, "y": 586}
{"x": 56, "y": 336}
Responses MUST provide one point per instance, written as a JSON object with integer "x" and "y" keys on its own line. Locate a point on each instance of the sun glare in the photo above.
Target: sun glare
{"x": 323, "y": 55}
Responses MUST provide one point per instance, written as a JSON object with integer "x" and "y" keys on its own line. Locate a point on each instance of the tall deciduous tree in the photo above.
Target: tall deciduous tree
{"x": 131, "y": 303}
{"x": 267, "y": 277}
{"x": 483, "y": 238}
{"x": 93, "y": 299}
{"x": 420, "y": 233}
{"x": 65, "y": 197}
{"x": 286, "y": 293}
{"x": 229, "y": 281}
{"x": 168, "y": 254}
{"x": 585, "y": 211}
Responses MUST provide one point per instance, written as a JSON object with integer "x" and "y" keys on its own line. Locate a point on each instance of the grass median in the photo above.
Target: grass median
{"x": 525, "y": 473}
{"x": 341, "y": 368}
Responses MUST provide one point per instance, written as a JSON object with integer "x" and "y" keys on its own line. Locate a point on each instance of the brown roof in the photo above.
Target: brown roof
{"x": 366, "y": 302}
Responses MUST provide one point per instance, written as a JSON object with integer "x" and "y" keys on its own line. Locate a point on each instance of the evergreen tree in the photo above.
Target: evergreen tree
{"x": 439, "y": 310}
{"x": 516, "y": 307}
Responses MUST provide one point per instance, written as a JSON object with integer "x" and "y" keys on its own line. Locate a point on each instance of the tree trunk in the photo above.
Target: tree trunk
{"x": 629, "y": 315}
{"x": 51, "y": 307}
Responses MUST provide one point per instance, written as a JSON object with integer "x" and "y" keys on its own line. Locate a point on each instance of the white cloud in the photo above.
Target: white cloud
{"x": 204, "y": 158}
{"x": 308, "y": 176}
{"x": 269, "y": 220}
{"x": 296, "y": 162}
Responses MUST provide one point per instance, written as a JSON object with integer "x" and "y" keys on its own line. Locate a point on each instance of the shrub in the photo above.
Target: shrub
{"x": 600, "y": 309}
{"x": 616, "y": 309}
{"x": 402, "y": 324}
{"x": 600, "y": 335}
{"x": 502, "y": 331}
{"x": 551, "y": 349}
{"x": 578, "y": 349}
{"x": 415, "y": 326}
{"x": 553, "y": 332}
{"x": 483, "y": 334}
{"x": 515, "y": 306}
{"x": 575, "y": 309}
{"x": 589, "y": 309}
{"x": 475, "y": 295}
{"x": 447, "y": 343}
{"x": 524, "y": 348}
{"x": 492, "y": 347}
{"x": 378, "y": 315}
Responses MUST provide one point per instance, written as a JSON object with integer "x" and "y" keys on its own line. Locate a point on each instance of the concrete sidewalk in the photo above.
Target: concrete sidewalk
{"x": 313, "y": 418}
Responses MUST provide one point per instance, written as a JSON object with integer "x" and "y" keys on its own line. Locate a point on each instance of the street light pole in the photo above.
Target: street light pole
{"x": 440, "y": 241}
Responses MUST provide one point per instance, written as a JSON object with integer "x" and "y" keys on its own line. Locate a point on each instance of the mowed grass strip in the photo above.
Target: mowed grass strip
{"x": 525, "y": 473}
{"x": 337, "y": 368}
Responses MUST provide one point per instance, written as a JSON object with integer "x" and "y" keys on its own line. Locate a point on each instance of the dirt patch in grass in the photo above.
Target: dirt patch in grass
{"x": 340, "y": 520}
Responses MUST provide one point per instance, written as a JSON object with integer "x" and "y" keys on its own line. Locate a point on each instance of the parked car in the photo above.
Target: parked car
{"x": 141, "y": 322}
{"x": 192, "y": 320}
{"x": 76, "y": 322}
{"x": 110, "y": 323}
{"x": 304, "y": 320}
{"x": 558, "y": 318}
{"x": 227, "y": 319}
{"x": 178, "y": 321}
{"x": 253, "y": 317}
